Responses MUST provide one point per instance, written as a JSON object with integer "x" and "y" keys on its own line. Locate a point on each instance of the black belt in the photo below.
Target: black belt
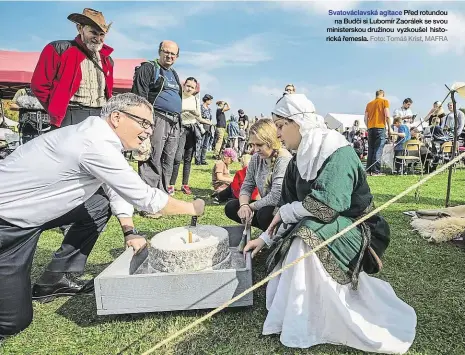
{"x": 75, "y": 106}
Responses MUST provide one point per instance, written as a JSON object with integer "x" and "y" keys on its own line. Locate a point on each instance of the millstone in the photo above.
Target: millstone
{"x": 171, "y": 252}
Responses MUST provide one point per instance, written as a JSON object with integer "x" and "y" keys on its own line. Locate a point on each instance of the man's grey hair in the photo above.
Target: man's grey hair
{"x": 122, "y": 102}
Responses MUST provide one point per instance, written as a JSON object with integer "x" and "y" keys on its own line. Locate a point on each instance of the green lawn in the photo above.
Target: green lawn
{"x": 431, "y": 278}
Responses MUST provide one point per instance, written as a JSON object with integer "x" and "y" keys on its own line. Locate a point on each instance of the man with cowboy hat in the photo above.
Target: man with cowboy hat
{"x": 73, "y": 79}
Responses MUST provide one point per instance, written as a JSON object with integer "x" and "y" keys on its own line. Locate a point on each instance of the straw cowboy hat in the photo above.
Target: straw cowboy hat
{"x": 90, "y": 17}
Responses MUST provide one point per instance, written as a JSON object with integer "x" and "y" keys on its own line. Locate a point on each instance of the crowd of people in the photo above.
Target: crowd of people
{"x": 289, "y": 187}
{"x": 403, "y": 129}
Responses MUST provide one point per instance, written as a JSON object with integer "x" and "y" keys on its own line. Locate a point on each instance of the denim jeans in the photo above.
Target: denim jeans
{"x": 376, "y": 142}
{"x": 201, "y": 147}
{"x": 185, "y": 151}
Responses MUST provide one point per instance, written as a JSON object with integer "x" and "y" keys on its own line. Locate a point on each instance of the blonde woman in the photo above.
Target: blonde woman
{"x": 289, "y": 89}
{"x": 436, "y": 111}
{"x": 328, "y": 297}
{"x": 265, "y": 172}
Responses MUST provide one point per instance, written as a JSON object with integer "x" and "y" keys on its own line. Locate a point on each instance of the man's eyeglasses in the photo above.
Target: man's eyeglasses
{"x": 169, "y": 53}
{"x": 142, "y": 121}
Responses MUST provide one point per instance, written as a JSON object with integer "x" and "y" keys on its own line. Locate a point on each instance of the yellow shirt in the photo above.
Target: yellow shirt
{"x": 375, "y": 111}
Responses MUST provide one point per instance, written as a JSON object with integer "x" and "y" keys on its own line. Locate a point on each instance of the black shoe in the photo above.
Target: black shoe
{"x": 204, "y": 163}
{"x": 64, "y": 287}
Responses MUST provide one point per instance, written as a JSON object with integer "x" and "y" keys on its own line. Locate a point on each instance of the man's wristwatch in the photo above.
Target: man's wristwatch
{"x": 132, "y": 232}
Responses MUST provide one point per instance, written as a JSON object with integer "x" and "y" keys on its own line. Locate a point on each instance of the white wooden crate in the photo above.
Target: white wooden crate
{"x": 118, "y": 290}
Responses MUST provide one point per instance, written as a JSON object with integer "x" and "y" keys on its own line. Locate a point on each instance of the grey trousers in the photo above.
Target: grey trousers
{"x": 17, "y": 247}
{"x": 157, "y": 170}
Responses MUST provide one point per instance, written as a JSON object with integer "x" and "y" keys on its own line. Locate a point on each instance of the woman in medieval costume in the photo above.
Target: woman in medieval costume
{"x": 328, "y": 297}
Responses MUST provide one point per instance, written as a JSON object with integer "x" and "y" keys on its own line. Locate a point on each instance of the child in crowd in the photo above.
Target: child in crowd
{"x": 242, "y": 139}
{"x": 358, "y": 144}
{"x": 233, "y": 131}
{"x": 233, "y": 190}
{"x": 221, "y": 178}
{"x": 403, "y": 135}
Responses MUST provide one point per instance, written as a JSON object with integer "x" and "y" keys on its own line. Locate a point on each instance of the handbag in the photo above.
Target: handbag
{"x": 197, "y": 132}
{"x": 144, "y": 151}
{"x": 200, "y": 127}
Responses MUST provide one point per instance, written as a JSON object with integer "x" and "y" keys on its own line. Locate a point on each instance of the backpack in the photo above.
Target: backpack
{"x": 145, "y": 149}
{"x": 156, "y": 82}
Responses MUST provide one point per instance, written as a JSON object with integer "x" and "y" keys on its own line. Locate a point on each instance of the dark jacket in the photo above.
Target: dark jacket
{"x": 58, "y": 75}
{"x": 144, "y": 84}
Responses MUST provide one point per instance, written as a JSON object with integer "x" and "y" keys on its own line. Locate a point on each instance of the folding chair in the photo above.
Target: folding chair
{"x": 411, "y": 155}
{"x": 446, "y": 152}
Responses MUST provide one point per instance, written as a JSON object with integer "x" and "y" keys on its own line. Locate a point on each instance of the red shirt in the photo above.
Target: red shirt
{"x": 236, "y": 184}
{"x": 57, "y": 75}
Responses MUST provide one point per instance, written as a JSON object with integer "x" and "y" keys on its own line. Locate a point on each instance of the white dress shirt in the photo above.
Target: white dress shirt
{"x": 58, "y": 171}
{"x": 402, "y": 112}
{"x": 449, "y": 121}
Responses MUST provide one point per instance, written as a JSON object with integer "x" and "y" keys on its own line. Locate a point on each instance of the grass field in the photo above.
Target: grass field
{"x": 431, "y": 278}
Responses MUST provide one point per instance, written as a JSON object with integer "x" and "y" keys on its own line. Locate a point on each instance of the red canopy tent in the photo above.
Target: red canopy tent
{"x": 16, "y": 70}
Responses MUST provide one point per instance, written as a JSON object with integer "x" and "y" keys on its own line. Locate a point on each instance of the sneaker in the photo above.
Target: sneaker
{"x": 186, "y": 189}
{"x": 171, "y": 190}
{"x": 378, "y": 174}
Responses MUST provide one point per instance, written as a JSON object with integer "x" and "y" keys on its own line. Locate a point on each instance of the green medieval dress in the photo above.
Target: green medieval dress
{"x": 337, "y": 197}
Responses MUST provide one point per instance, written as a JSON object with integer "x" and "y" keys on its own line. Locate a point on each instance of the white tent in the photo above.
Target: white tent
{"x": 341, "y": 121}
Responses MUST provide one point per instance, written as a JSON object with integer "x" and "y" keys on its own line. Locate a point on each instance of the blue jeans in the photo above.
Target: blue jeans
{"x": 376, "y": 142}
{"x": 202, "y": 147}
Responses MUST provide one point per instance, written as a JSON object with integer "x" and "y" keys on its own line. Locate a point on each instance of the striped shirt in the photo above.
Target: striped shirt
{"x": 91, "y": 92}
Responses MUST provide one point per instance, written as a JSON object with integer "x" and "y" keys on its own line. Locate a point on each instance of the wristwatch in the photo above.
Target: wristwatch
{"x": 131, "y": 231}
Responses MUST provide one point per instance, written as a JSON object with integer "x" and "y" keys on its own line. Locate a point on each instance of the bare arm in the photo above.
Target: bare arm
{"x": 223, "y": 177}
{"x": 386, "y": 117}
{"x": 244, "y": 199}
{"x": 226, "y": 107}
{"x": 178, "y": 207}
{"x": 366, "y": 119}
{"x": 203, "y": 120}
{"x": 14, "y": 107}
{"x": 126, "y": 223}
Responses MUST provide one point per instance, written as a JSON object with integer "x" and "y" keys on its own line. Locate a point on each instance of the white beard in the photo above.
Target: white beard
{"x": 94, "y": 47}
